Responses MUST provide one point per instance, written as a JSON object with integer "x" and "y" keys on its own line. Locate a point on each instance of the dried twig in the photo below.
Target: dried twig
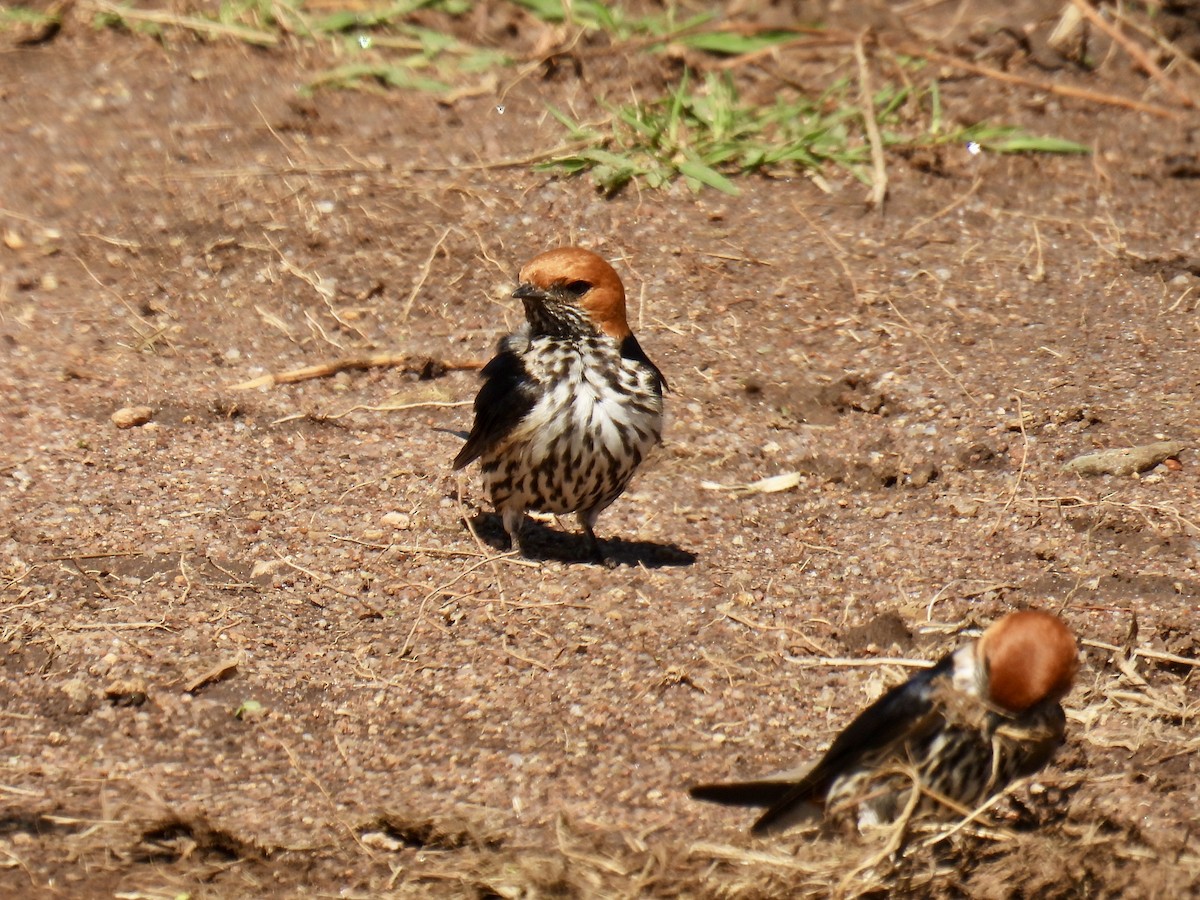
{"x": 1144, "y": 652}
{"x": 772, "y": 484}
{"x": 839, "y": 254}
{"x": 813, "y": 662}
{"x": 1063, "y": 90}
{"x": 1136, "y": 53}
{"x": 437, "y": 245}
{"x": 945, "y": 210}
{"x": 756, "y": 857}
{"x": 975, "y": 814}
{"x": 315, "y": 782}
{"x": 219, "y": 672}
{"x": 1152, "y": 34}
{"x": 190, "y": 23}
{"x": 937, "y": 360}
{"x": 895, "y": 838}
{"x": 879, "y": 180}
{"x": 333, "y": 417}
{"x": 371, "y": 361}
{"x": 760, "y": 626}
{"x": 409, "y": 643}
{"x": 1016, "y": 488}
{"x": 322, "y": 580}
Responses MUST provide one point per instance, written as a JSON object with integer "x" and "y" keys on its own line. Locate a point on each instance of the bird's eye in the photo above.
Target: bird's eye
{"x": 579, "y": 288}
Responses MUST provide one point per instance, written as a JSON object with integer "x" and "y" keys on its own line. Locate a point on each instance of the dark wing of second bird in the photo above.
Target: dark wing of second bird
{"x": 905, "y": 712}
{"x": 507, "y": 396}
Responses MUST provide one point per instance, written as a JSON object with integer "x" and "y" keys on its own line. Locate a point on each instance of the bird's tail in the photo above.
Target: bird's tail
{"x": 788, "y": 803}
{"x": 742, "y": 793}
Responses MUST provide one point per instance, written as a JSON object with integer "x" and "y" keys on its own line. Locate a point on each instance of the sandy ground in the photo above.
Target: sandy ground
{"x": 263, "y": 643}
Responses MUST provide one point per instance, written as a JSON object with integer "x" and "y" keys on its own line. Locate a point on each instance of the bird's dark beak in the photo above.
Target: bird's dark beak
{"x": 527, "y": 291}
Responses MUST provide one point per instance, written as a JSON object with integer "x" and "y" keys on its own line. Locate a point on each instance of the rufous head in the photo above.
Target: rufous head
{"x": 558, "y": 285}
{"x": 1030, "y": 656}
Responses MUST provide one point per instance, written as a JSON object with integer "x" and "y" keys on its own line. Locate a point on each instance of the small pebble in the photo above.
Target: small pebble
{"x": 130, "y": 416}
{"x": 126, "y": 692}
{"x": 397, "y": 519}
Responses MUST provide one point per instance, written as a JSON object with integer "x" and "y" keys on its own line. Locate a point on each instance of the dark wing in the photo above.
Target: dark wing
{"x": 631, "y": 349}
{"x": 903, "y": 712}
{"x": 504, "y": 400}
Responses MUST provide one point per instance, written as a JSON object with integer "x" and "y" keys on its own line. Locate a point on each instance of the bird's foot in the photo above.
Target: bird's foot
{"x": 597, "y": 554}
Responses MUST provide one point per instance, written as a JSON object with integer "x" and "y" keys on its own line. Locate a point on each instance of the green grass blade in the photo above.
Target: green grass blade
{"x": 699, "y": 172}
{"x": 1029, "y": 143}
{"x": 729, "y": 43}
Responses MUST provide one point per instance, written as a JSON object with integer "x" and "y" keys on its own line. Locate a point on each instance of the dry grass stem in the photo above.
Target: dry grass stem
{"x": 370, "y": 361}
{"x": 879, "y": 178}
{"x": 1016, "y": 488}
{"x": 813, "y": 662}
{"x": 945, "y": 210}
{"x": 1177, "y": 52}
{"x": 325, "y": 581}
{"x": 315, "y": 782}
{"x": 407, "y": 647}
{"x": 839, "y": 254}
{"x": 1062, "y": 90}
{"x": 187, "y": 23}
{"x": 895, "y": 840}
{"x": 772, "y": 484}
{"x": 919, "y": 334}
{"x": 424, "y": 276}
{"x": 1145, "y": 652}
{"x": 759, "y": 626}
{"x": 729, "y": 853}
{"x": 1136, "y": 53}
{"x": 947, "y": 833}
{"x": 399, "y": 407}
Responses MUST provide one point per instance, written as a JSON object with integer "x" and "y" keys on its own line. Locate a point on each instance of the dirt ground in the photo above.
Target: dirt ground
{"x": 253, "y": 647}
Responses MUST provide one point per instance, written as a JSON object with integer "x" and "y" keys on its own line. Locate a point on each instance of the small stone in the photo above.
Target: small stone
{"x": 79, "y": 696}
{"x": 397, "y": 519}
{"x": 922, "y": 474}
{"x": 378, "y": 840}
{"x": 126, "y": 692}
{"x": 131, "y": 416}
{"x": 1125, "y": 460}
{"x": 964, "y": 508}
{"x": 49, "y": 282}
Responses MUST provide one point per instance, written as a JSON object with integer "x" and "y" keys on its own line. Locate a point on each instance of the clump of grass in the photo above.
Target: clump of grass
{"x": 700, "y": 132}
{"x": 610, "y": 18}
{"x": 707, "y": 135}
{"x": 401, "y": 55}
{"x": 23, "y": 16}
{"x": 384, "y": 49}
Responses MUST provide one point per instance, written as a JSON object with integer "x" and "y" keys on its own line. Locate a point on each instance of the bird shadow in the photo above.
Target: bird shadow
{"x": 546, "y": 544}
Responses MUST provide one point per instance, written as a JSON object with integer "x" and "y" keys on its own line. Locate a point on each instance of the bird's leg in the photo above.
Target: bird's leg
{"x": 586, "y": 521}
{"x": 513, "y": 520}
